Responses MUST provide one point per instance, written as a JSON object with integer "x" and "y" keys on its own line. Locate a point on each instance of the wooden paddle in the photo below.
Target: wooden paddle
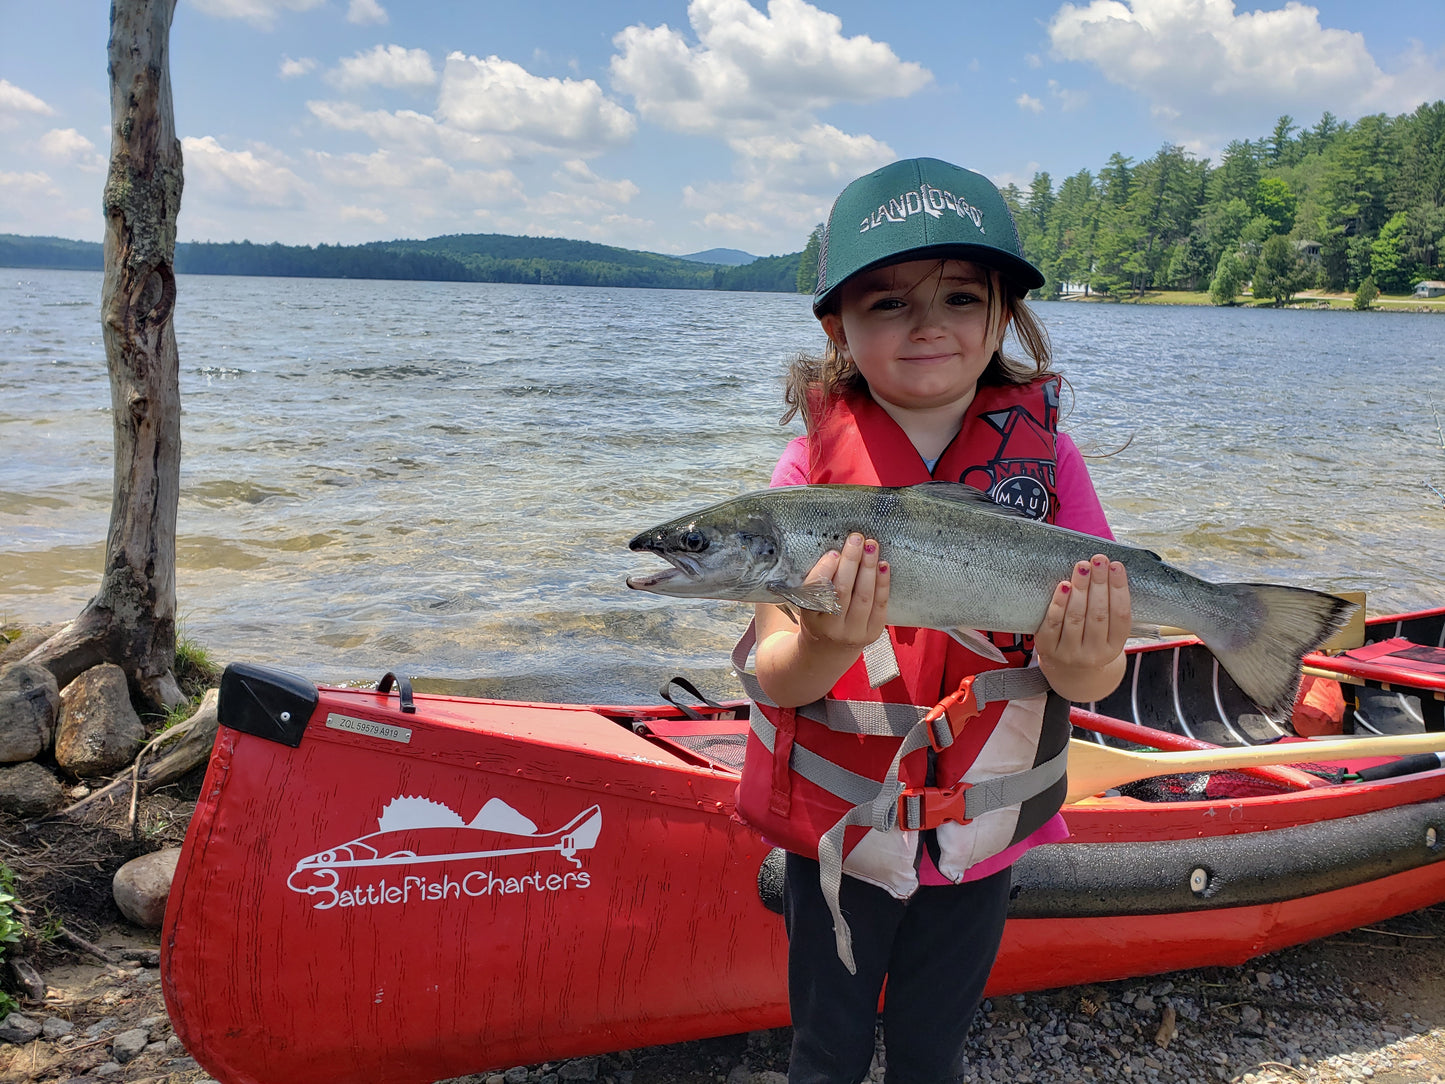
{"x": 1094, "y": 768}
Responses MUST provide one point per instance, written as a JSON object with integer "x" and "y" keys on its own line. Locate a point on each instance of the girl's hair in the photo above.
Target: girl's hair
{"x": 813, "y": 379}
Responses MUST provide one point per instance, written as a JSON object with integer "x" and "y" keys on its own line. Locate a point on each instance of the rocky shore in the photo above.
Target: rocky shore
{"x": 1367, "y": 1005}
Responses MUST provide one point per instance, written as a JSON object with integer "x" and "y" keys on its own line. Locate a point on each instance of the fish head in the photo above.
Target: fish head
{"x": 727, "y": 551}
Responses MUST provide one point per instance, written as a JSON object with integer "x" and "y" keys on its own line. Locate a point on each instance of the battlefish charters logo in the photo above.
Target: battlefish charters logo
{"x": 424, "y": 851}
{"x": 924, "y": 200}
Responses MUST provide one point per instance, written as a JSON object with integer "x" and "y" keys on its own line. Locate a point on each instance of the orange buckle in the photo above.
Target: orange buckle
{"x": 921, "y": 808}
{"x": 960, "y": 706}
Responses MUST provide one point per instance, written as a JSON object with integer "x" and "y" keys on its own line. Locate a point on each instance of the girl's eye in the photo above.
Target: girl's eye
{"x": 887, "y": 304}
{"x": 962, "y": 299}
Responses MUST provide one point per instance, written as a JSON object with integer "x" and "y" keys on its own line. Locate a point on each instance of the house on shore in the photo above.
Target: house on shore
{"x": 1430, "y": 288}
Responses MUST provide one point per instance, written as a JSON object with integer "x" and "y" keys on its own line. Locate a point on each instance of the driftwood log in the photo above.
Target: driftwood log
{"x": 131, "y": 621}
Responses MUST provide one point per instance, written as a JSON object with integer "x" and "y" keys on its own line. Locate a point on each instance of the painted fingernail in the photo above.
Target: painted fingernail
{"x": 870, "y": 547}
{"x": 1099, "y": 562}
{"x": 1083, "y": 569}
{"x": 882, "y": 566}
{"x": 1065, "y": 588}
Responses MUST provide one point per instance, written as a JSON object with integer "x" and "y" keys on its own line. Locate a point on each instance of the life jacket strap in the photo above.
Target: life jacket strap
{"x": 889, "y": 804}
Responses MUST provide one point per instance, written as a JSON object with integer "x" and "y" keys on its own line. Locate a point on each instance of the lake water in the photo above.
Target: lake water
{"x": 441, "y": 478}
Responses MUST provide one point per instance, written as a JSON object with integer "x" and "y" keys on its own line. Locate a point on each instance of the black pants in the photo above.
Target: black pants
{"x": 936, "y": 949}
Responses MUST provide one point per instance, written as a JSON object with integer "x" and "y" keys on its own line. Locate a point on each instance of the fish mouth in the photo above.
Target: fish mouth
{"x": 684, "y": 565}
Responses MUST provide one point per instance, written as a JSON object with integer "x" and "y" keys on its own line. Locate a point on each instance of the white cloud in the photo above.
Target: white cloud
{"x": 69, "y": 146}
{"x": 418, "y": 178}
{"x": 247, "y": 177}
{"x": 1028, "y": 101}
{"x": 577, "y": 177}
{"x": 14, "y": 101}
{"x": 754, "y": 67}
{"x": 412, "y": 132}
{"x": 374, "y": 215}
{"x": 293, "y": 69}
{"x": 30, "y": 183}
{"x": 385, "y": 65}
{"x": 786, "y": 183}
{"x": 261, "y": 14}
{"x": 500, "y": 96}
{"x": 1069, "y": 100}
{"x": 1204, "y": 65}
{"x": 367, "y": 12}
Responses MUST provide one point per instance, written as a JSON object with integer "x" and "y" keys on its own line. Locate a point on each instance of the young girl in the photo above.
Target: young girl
{"x": 900, "y": 833}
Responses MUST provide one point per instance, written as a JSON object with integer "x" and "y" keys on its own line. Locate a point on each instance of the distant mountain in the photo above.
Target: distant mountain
{"x": 475, "y": 257}
{"x": 728, "y": 257}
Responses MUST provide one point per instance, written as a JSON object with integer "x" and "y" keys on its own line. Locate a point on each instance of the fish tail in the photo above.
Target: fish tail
{"x": 1263, "y": 633}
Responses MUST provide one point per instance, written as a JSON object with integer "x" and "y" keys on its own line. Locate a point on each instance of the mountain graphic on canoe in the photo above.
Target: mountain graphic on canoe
{"x": 414, "y": 830}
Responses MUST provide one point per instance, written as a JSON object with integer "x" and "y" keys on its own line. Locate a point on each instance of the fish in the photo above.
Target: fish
{"x": 960, "y": 562}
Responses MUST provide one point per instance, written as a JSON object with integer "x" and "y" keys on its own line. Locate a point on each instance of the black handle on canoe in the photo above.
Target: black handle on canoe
{"x": 1419, "y": 762}
{"x": 691, "y": 690}
{"x": 403, "y": 688}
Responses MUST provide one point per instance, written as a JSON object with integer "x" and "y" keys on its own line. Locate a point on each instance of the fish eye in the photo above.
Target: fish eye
{"x": 694, "y": 541}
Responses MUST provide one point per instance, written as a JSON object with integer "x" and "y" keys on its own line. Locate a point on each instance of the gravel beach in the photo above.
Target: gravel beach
{"x": 1366, "y": 1005}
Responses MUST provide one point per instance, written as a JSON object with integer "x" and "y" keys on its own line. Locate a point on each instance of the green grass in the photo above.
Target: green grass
{"x": 195, "y": 669}
{"x": 1308, "y": 299}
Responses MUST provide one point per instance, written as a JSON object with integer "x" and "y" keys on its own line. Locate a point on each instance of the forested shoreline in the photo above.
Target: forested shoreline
{"x": 453, "y": 258}
{"x": 1338, "y": 206}
{"x": 1330, "y": 207}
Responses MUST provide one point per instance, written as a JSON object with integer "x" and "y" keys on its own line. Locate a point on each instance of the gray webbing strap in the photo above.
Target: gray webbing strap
{"x": 874, "y": 804}
{"x": 999, "y": 792}
{"x": 880, "y": 662}
{"x": 879, "y": 719}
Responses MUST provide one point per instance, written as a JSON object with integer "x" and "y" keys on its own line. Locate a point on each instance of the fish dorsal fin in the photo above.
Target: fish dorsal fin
{"x": 413, "y": 812}
{"x": 498, "y": 816}
{"x": 959, "y": 491}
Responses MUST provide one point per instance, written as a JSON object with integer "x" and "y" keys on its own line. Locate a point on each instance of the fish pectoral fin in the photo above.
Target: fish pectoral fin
{"x": 821, "y": 595}
{"x": 978, "y": 643}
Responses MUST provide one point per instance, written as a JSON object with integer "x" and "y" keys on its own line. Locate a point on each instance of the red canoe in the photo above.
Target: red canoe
{"x": 386, "y": 889}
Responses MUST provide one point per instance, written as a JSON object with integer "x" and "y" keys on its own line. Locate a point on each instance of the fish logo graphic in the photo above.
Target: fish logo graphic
{"x": 413, "y": 830}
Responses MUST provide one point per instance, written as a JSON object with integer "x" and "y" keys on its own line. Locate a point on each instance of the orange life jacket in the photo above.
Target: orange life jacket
{"x": 849, "y": 779}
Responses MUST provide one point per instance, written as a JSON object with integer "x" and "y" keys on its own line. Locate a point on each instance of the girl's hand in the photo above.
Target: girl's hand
{"x": 1080, "y": 645}
{"x": 861, "y": 581}
{"x": 798, "y": 663}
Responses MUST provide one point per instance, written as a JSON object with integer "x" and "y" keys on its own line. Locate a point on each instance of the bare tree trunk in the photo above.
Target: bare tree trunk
{"x": 132, "y": 620}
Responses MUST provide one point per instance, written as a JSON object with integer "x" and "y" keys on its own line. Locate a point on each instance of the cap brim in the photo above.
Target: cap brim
{"x": 1016, "y": 272}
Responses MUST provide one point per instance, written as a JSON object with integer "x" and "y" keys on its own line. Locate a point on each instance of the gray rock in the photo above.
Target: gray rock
{"x": 54, "y": 1027}
{"x": 140, "y": 887}
{"x": 29, "y": 706}
{"x": 129, "y": 1044}
{"x": 19, "y": 1028}
{"x": 28, "y": 640}
{"x": 100, "y": 1027}
{"x": 515, "y": 1075}
{"x": 579, "y": 1069}
{"x": 99, "y": 731}
{"x": 29, "y": 790}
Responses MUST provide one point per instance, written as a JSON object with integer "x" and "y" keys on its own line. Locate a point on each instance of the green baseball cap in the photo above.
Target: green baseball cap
{"x": 917, "y": 209}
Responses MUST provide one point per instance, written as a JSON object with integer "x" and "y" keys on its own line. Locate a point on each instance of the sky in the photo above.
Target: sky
{"x": 658, "y": 124}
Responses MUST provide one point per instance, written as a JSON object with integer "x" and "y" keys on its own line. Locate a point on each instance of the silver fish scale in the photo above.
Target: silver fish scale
{"x": 968, "y": 563}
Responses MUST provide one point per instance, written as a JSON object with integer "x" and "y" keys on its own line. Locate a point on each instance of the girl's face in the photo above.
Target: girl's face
{"x": 918, "y": 332}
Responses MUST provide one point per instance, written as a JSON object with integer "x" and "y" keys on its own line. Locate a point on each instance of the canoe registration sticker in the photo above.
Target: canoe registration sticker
{"x": 425, "y": 852}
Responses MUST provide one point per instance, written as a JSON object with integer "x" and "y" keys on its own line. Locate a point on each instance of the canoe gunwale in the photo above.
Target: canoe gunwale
{"x": 1146, "y": 877}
